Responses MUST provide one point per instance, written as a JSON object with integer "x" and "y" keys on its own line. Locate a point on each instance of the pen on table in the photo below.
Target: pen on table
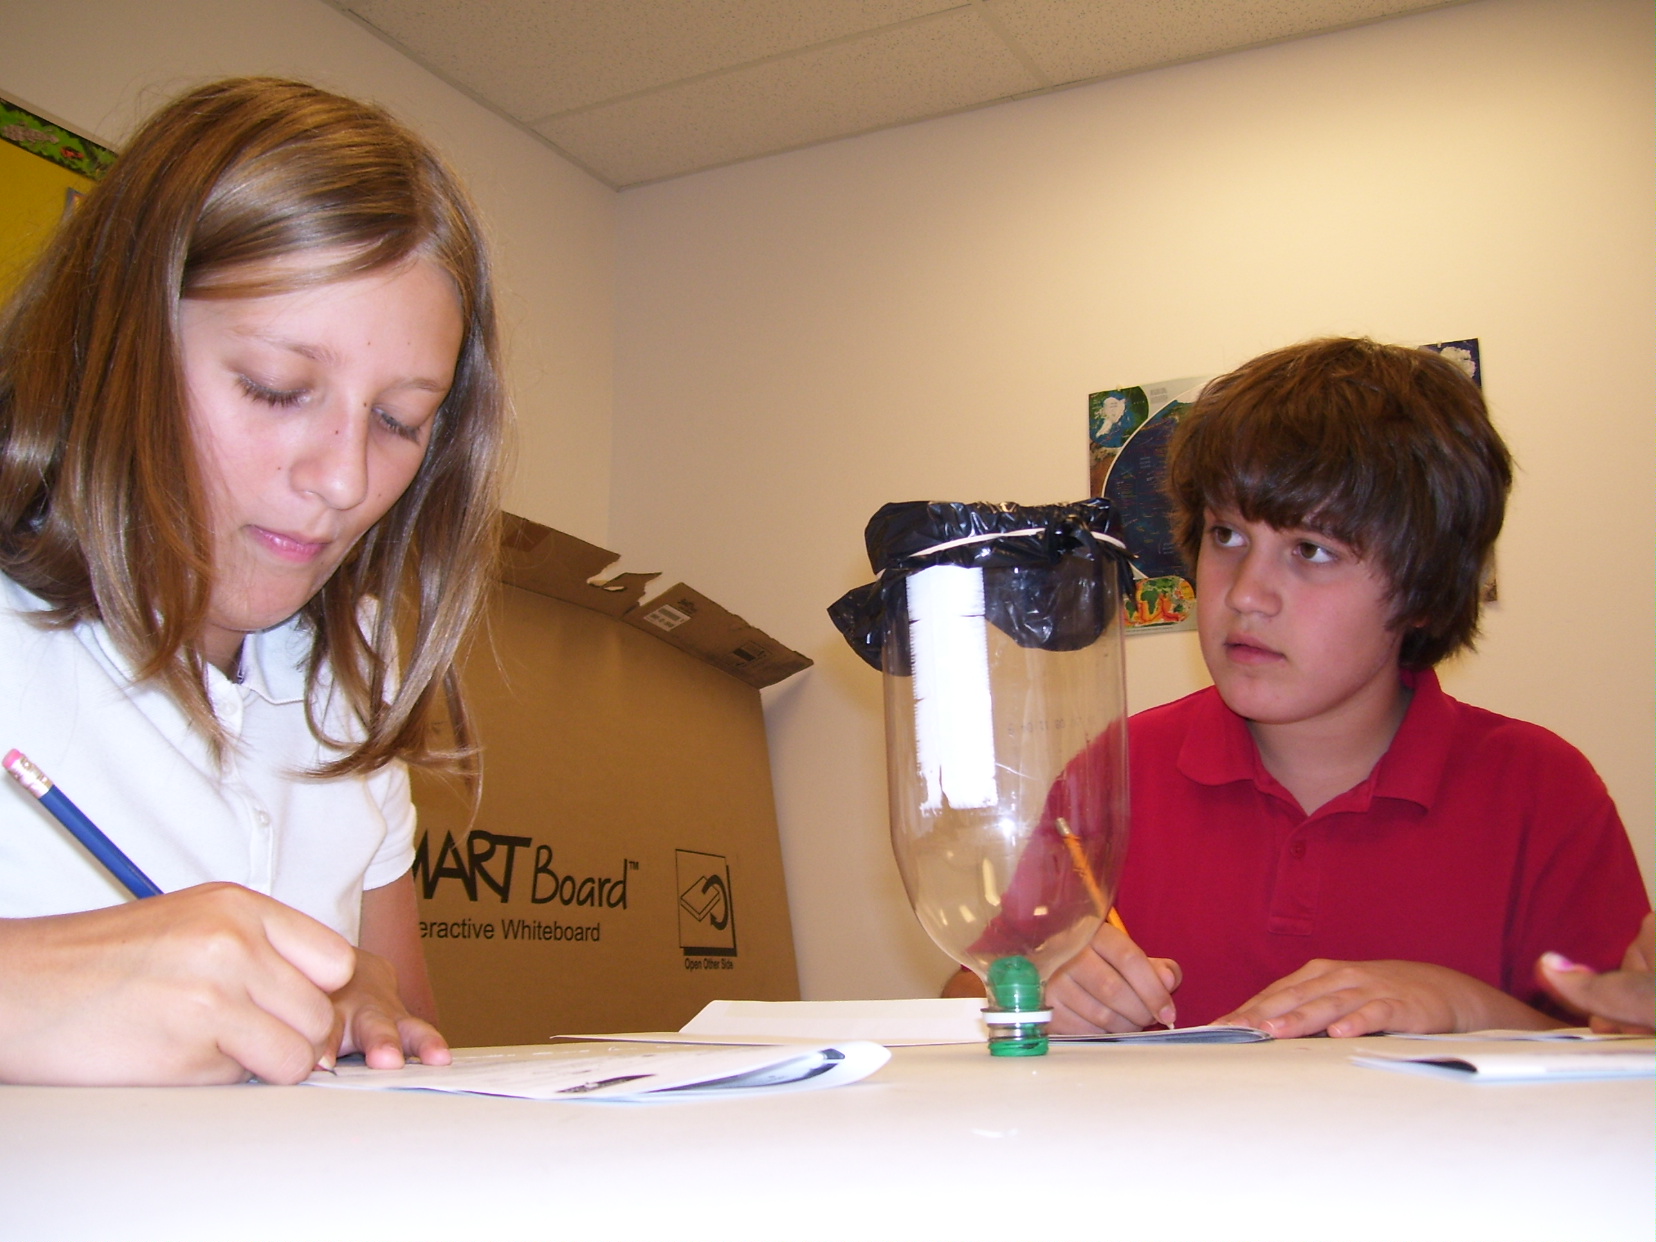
{"x": 85, "y": 831}
{"x": 80, "y": 827}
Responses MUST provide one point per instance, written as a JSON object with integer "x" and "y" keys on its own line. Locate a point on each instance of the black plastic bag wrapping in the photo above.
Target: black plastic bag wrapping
{"x": 1047, "y": 578}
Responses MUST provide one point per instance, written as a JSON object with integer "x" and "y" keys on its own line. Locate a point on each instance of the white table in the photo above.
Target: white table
{"x": 1271, "y": 1141}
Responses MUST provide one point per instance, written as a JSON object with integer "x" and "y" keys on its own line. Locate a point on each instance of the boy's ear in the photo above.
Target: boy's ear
{"x": 1420, "y": 626}
{"x": 1405, "y": 623}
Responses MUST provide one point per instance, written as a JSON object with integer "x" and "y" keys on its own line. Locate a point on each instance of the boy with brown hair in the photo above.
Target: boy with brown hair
{"x": 1323, "y": 840}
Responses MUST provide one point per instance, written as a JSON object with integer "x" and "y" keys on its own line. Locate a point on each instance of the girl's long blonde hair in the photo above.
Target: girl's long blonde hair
{"x": 102, "y": 509}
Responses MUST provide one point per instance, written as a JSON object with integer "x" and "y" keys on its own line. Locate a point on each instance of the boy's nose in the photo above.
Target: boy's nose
{"x": 1253, "y": 588}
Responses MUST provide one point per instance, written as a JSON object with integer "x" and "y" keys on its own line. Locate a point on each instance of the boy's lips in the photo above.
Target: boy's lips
{"x": 1246, "y": 650}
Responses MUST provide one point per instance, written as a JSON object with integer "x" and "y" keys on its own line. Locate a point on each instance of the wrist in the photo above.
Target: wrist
{"x": 1487, "y": 1008}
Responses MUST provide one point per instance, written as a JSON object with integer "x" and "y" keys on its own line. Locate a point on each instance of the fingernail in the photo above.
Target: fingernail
{"x": 327, "y": 1063}
{"x": 1167, "y": 1016}
{"x": 1558, "y": 962}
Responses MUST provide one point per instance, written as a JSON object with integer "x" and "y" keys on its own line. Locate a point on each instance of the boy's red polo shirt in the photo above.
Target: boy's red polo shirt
{"x": 1478, "y": 842}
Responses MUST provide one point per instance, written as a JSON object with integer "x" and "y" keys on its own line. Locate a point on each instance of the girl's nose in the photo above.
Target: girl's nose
{"x": 332, "y": 463}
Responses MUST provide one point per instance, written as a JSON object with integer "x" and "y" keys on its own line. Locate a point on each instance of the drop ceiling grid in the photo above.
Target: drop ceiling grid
{"x": 905, "y": 73}
{"x": 642, "y": 90}
{"x": 1082, "y": 40}
{"x": 536, "y": 58}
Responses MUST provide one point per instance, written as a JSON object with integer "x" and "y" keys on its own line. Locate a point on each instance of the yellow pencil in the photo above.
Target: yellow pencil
{"x": 1078, "y": 860}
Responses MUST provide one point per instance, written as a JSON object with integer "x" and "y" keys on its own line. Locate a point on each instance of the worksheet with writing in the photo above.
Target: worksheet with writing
{"x": 601, "y": 1070}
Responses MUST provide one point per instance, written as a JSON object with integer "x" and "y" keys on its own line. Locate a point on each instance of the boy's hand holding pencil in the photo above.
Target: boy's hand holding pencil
{"x": 1112, "y": 985}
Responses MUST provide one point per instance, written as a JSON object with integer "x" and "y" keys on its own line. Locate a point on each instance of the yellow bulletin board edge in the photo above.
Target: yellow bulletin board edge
{"x": 91, "y": 159}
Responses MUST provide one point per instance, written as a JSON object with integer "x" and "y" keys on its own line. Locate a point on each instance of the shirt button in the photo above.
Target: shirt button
{"x": 263, "y": 817}
{"x": 1297, "y": 849}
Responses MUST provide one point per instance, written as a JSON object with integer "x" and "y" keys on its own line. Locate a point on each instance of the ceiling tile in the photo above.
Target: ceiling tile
{"x": 533, "y": 58}
{"x": 923, "y": 69}
{"x": 1076, "y": 40}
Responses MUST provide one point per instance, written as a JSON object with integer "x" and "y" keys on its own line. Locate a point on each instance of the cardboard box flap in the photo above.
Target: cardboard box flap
{"x": 549, "y": 562}
{"x": 691, "y": 622}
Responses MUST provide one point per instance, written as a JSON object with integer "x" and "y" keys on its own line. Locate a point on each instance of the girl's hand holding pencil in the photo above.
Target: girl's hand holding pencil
{"x": 210, "y": 984}
{"x": 249, "y": 973}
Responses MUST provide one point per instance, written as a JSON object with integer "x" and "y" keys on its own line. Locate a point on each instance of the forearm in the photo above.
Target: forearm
{"x": 391, "y": 930}
{"x": 26, "y": 1018}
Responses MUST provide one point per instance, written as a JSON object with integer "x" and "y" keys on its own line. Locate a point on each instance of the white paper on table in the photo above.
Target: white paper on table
{"x": 894, "y": 1023}
{"x": 618, "y": 1071}
{"x": 1557, "y": 1034}
{"x": 1534, "y": 1065}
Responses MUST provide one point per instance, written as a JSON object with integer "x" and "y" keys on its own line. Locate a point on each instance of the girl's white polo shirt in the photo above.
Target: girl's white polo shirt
{"x": 126, "y": 755}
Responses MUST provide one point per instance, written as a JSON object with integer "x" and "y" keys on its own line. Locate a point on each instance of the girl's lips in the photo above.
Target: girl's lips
{"x": 288, "y": 547}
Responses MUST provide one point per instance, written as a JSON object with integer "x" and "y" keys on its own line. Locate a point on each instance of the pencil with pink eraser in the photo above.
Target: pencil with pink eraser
{"x": 80, "y": 827}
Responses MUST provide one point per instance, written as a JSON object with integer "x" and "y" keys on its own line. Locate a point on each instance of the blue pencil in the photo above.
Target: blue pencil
{"x": 84, "y": 830}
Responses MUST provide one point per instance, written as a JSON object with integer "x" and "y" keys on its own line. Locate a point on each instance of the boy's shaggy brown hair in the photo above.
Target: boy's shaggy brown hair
{"x": 1387, "y": 449}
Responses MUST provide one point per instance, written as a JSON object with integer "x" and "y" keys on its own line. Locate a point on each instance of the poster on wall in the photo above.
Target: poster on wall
{"x": 1127, "y": 431}
{"x": 1464, "y": 354}
{"x": 44, "y": 171}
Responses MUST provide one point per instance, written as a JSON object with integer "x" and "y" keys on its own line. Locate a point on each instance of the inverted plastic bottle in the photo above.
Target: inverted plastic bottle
{"x": 998, "y": 629}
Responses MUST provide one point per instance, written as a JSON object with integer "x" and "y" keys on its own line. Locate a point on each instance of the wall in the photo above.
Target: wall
{"x": 99, "y": 66}
{"x": 920, "y": 313}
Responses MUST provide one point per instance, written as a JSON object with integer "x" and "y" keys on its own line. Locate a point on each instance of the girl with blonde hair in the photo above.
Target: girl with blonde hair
{"x": 251, "y": 436}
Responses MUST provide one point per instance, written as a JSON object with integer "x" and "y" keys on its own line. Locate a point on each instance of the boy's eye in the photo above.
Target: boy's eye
{"x": 281, "y": 397}
{"x": 1224, "y": 536}
{"x": 1315, "y": 553}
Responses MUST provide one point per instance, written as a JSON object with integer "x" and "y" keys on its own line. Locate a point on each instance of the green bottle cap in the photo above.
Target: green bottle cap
{"x": 1015, "y": 984}
{"x": 1018, "y": 1020}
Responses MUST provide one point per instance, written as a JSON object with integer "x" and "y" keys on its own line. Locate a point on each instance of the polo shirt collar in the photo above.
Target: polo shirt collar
{"x": 1219, "y": 750}
{"x": 1412, "y": 767}
{"x": 273, "y": 662}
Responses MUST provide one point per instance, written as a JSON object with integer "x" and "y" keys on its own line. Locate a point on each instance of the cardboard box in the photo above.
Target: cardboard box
{"x": 622, "y": 868}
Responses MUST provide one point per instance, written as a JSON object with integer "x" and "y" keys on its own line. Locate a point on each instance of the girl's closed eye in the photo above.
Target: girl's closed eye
{"x": 282, "y": 398}
{"x": 396, "y": 426}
